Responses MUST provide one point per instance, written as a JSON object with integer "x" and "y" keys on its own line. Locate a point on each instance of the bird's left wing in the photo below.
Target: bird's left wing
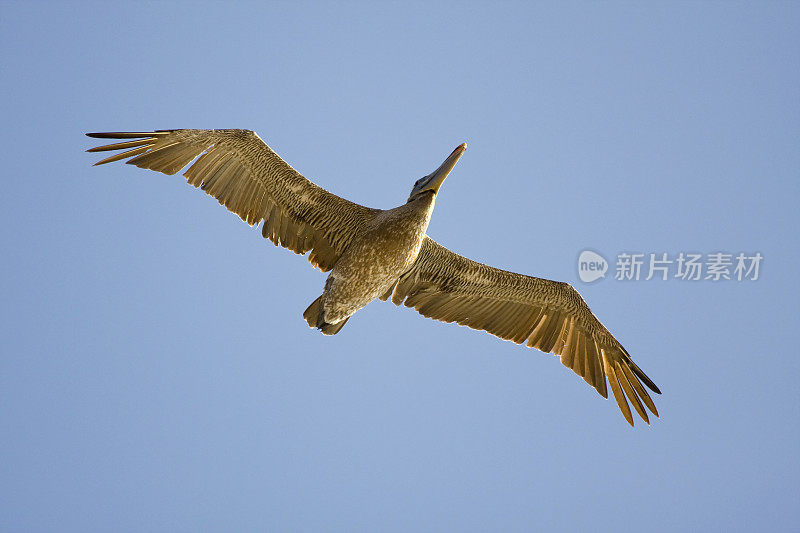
{"x": 238, "y": 169}
{"x": 548, "y": 315}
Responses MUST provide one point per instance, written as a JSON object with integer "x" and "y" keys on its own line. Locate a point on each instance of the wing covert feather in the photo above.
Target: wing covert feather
{"x": 238, "y": 169}
{"x": 548, "y": 315}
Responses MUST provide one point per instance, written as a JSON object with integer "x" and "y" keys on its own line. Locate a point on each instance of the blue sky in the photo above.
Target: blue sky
{"x": 157, "y": 374}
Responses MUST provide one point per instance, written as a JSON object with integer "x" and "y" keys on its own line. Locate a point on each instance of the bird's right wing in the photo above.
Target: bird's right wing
{"x": 548, "y": 315}
{"x": 238, "y": 169}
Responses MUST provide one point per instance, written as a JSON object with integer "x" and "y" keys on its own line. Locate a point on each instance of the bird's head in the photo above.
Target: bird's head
{"x": 434, "y": 180}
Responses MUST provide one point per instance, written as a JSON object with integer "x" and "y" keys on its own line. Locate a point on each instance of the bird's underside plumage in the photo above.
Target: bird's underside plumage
{"x": 246, "y": 176}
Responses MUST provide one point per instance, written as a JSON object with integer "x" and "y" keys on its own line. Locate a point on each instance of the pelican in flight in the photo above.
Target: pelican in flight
{"x": 376, "y": 253}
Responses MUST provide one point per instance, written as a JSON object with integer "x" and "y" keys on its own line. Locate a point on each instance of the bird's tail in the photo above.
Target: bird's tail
{"x": 314, "y": 315}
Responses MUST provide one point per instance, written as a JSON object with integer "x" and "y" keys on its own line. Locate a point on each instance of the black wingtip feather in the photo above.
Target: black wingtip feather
{"x": 124, "y": 134}
{"x": 639, "y": 373}
{"x": 647, "y": 381}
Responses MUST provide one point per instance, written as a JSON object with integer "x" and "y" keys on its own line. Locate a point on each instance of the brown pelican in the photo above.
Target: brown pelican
{"x": 375, "y": 253}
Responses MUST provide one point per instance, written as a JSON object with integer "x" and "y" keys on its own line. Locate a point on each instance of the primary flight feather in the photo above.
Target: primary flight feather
{"x": 375, "y": 253}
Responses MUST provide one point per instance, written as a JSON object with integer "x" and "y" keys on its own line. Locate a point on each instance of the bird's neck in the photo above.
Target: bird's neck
{"x": 423, "y": 205}
{"x": 415, "y": 213}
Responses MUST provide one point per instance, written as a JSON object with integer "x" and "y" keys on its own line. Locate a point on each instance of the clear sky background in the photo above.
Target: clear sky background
{"x": 156, "y": 373}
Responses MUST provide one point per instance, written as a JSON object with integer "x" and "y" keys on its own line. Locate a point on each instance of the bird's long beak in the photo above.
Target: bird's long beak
{"x": 438, "y": 176}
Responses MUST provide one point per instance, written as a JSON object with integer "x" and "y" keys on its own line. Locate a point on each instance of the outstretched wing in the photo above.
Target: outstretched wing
{"x": 548, "y": 315}
{"x": 237, "y": 168}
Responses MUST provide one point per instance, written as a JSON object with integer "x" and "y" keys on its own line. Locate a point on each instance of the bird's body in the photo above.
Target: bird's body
{"x": 379, "y": 255}
{"x": 374, "y": 253}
